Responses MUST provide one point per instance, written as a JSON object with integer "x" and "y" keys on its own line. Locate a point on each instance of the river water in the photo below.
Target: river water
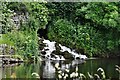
{"x": 46, "y": 69}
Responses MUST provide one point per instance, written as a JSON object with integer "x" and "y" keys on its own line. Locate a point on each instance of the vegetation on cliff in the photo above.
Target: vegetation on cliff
{"x": 90, "y": 28}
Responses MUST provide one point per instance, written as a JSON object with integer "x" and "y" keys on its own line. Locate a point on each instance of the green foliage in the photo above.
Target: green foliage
{"x": 25, "y": 39}
{"x": 4, "y": 40}
{"x": 94, "y": 27}
{"x": 74, "y": 36}
{"x": 105, "y": 14}
{"x": 5, "y": 21}
{"x": 39, "y": 13}
{"x": 24, "y": 42}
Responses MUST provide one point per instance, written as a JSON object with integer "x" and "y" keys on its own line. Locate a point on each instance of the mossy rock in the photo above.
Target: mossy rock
{"x": 41, "y": 44}
{"x": 58, "y": 48}
{"x": 80, "y": 51}
{"x": 65, "y": 54}
{"x": 56, "y": 52}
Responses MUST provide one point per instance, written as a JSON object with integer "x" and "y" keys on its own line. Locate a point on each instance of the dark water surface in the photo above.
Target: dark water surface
{"x": 47, "y": 70}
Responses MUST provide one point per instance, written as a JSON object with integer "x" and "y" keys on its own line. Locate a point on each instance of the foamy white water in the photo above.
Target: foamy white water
{"x": 75, "y": 54}
{"x": 50, "y": 47}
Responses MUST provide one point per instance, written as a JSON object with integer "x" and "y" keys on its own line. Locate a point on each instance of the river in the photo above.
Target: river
{"x": 46, "y": 69}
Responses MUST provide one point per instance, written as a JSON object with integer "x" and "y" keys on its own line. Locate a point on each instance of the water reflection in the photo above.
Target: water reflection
{"x": 46, "y": 68}
{"x": 19, "y": 70}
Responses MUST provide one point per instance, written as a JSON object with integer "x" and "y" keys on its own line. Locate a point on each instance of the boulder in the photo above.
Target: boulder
{"x": 65, "y": 54}
{"x": 41, "y": 44}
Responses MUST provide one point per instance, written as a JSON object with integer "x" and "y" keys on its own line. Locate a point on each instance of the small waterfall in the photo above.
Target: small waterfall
{"x": 50, "y": 47}
{"x": 55, "y": 51}
{"x": 75, "y": 54}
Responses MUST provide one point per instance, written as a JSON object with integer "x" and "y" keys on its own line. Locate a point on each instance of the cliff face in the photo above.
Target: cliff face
{"x": 19, "y": 18}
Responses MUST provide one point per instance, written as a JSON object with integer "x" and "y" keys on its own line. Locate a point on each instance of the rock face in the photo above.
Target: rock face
{"x": 19, "y": 17}
{"x": 54, "y": 51}
{"x": 6, "y": 49}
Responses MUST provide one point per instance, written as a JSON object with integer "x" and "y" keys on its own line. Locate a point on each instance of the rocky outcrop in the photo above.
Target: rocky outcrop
{"x": 6, "y": 49}
{"x": 65, "y": 54}
{"x": 19, "y": 17}
{"x": 7, "y": 54}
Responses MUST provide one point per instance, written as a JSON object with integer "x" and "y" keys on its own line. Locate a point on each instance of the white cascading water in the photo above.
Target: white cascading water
{"x": 50, "y": 47}
{"x": 75, "y": 54}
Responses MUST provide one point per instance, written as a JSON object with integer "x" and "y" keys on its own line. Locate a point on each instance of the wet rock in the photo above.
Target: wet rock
{"x": 58, "y": 48}
{"x": 53, "y": 56}
{"x": 80, "y": 51}
{"x": 56, "y": 52}
{"x": 41, "y": 44}
{"x": 43, "y": 52}
{"x": 77, "y": 57}
{"x": 43, "y": 57}
{"x": 65, "y": 54}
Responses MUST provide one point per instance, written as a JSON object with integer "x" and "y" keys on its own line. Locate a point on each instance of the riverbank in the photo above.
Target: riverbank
{"x": 8, "y": 59}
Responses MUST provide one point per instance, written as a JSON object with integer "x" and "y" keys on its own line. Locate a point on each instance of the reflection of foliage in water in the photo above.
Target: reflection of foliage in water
{"x": 75, "y": 75}
{"x": 27, "y": 69}
{"x": 22, "y": 71}
{"x": 63, "y": 70}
